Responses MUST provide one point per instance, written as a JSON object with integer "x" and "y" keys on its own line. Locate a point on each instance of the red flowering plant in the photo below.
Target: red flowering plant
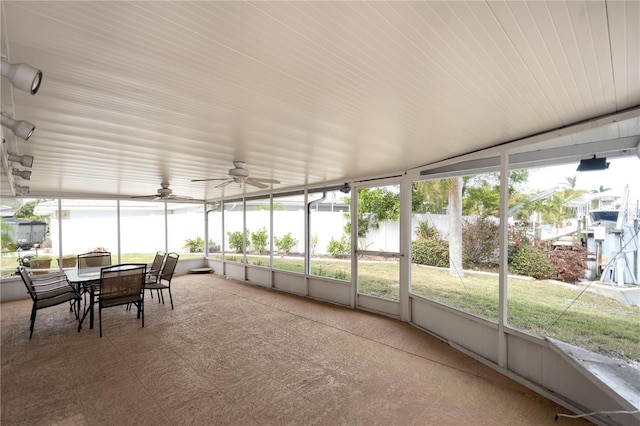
{"x": 99, "y": 250}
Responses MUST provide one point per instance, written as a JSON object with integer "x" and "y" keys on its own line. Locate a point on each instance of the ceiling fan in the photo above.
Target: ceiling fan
{"x": 239, "y": 174}
{"x": 164, "y": 193}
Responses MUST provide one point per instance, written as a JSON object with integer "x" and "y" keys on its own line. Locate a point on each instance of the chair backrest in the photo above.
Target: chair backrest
{"x": 93, "y": 260}
{"x": 121, "y": 281}
{"x": 26, "y": 279}
{"x": 158, "y": 260}
{"x": 170, "y": 262}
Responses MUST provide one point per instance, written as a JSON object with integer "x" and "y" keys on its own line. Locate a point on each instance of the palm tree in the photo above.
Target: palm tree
{"x": 570, "y": 182}
{"x": 438, "y": 196}
{"x": 455, "y": 226}
{"x": 7, "y": 242}
{"x": 555, "y": 210}
{"x": 430, "y": 196}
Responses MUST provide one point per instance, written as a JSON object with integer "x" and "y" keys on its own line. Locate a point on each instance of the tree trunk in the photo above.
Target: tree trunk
{"x": 455, "y": 227}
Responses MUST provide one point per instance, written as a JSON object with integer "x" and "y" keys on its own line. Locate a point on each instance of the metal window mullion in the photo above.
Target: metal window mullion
{"x": 118, "y": 245}
{"x": 271, "y": 235}
{"x": 166, "y": 227}
{"x": 354, "y": 246}
{"x": 502, "y": 280}
{"x": 60, "y": 254}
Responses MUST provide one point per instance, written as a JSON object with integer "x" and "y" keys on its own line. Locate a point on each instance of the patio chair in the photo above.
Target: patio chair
{"x": 164, "y": 279}
{"x": 153, "y": 274}
{"x": 47, "y": 293}
{"x": 122, "y": 285}
{"x": 94, "y": 260}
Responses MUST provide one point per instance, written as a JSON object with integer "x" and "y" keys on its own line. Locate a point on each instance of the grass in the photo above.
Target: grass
{"x": 593, "y": 322}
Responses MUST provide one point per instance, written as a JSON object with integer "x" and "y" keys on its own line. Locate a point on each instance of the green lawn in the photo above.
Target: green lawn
{"x": 593, "y": 322}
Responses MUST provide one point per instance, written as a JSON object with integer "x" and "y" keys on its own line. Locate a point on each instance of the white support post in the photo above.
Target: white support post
{"x": 118, "y": 229}
{"x": 405, "y": 245}
{"x": 504, "y": 245}
{"x": 166, "y": 227}
{"x": 206, "y": 231}
{"x": 307, "y": 242}
{"x": 271, "y": 235}
{"x": 354, "y": 245}
{"x": 60, "y": 254}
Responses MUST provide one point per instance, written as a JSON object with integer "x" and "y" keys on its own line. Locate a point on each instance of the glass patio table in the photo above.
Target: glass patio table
{"x": 85, "y": 281}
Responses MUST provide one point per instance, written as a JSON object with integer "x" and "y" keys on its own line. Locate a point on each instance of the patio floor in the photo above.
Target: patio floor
{"x": 237, "y": 354}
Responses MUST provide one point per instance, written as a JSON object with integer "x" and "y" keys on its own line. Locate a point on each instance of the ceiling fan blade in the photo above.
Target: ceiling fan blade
{"x": 145, "y": 196}
{"x": 254, "y": 182}
{"x": 264, "y": 180}
{"x": 224, "y": 183}
{"x": 205, "y": 180}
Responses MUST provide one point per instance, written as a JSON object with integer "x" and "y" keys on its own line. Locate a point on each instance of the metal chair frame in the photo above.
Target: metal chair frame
{"x": 48, "y": 292}
{"x": 122, "y": 285}
{"x": 164, "y": 279}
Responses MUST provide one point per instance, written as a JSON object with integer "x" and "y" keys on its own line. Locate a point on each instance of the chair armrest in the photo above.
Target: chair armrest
{"x": 56, "y": 277}
{"x": 55, "y": 292}
{"x": 42, "y": 283}
{"x": 43, "y": 287}
{"x": 51, "y": 275}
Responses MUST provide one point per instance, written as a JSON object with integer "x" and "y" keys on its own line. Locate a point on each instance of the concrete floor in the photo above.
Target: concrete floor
{"x": 236, "y": 354}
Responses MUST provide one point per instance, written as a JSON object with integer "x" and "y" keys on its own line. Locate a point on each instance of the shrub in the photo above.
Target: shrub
{"x": 285, "y": 244}
{"x": 531, "y": 261}
{"x": 236, "y": 240}
{"x": 195, "y": 245}
{"x": 259, "y": 240}
{"x": 480, "y": 240}
{"x": 430, "y": 252}
{"x": 341, "y": 248}
{"x": 213, "y": 247}
{"x": 570, "y": 262}
{"x": 425, "y": 231}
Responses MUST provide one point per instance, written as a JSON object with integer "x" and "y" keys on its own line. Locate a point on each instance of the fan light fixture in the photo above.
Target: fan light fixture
{"x": 22, "y": 191}
{"x": 22, "y": 76}
{"x": 20, "y": 128}
{"x": 593, "y": 164}
{"x": 24, "y": 160}
{"x": 24, "y": 174}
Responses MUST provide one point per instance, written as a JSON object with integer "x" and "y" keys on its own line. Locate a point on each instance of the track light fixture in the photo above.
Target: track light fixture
{"x": 24, "y": 160}
{"x": 592, "y": 164}
{"x": 24, "y": 174}
{"x": 22, "y": 191}
{"x": 22, "y": 76}
{"x": 20, "y": 128}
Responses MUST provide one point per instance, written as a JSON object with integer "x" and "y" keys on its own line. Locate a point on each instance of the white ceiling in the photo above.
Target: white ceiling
{"x": 135, "y": 93}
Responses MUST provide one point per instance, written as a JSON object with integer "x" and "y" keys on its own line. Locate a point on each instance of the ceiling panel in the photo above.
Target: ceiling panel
{"x": 135, "y": 93}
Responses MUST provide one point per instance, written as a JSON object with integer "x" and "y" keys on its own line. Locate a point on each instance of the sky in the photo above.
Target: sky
{"x": 621, "y": 171}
